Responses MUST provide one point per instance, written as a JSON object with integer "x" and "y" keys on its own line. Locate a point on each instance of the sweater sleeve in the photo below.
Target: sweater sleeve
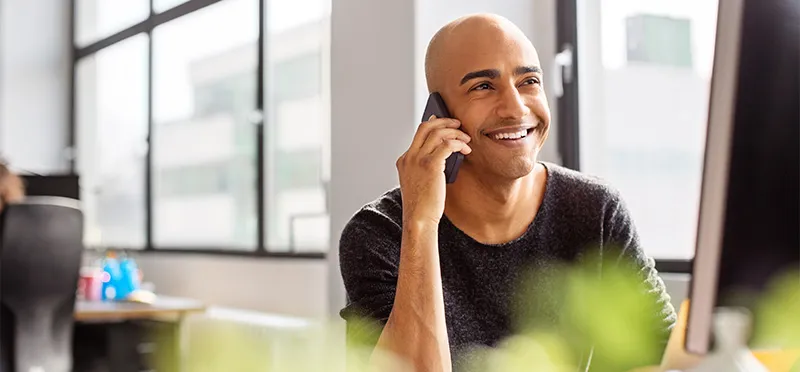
{"x": 620, "y": 232}
{"x": 369, "y": 252}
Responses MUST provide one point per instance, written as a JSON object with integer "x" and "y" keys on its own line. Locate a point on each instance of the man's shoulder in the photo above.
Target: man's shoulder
{"x": 581, "y": 187}
{"x": 374, "y": 232}
{"x": 388, "y": 206}
{"x": 383, "y": 215}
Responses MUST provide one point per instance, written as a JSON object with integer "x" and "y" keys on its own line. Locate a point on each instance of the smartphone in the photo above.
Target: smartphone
{"x": 437, "y": 107}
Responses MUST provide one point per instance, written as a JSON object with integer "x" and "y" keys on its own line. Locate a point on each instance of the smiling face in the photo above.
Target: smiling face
{"x": 490, "y": 77}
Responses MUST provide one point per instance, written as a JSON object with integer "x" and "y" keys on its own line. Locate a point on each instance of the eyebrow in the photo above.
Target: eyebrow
{"x": 522, "y": 70}
{"x": 495, "y": 73}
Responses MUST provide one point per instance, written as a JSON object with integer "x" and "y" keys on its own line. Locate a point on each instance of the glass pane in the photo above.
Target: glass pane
{"x": 645, "y": 77}
{"x": 204, "y": 144}
{"x": 297, "y": 130}
{"x": 162, "y": 5}
{"x": 97, "y": 19}
{"x": 111, "y": 111}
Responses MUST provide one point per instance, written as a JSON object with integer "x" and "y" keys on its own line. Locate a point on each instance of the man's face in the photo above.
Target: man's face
{"x": 493, "y": 84}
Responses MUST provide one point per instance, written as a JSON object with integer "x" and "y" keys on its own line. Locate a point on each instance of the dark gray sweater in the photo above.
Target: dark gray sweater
{"x": 577, "y": 213}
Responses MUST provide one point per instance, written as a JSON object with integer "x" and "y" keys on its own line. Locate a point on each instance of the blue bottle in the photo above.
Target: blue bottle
{"x": 111, "y": 278}
{"x": 129, "y": 278}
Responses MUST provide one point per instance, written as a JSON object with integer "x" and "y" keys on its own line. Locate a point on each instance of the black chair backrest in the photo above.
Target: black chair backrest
{"x": 41, "y": 247}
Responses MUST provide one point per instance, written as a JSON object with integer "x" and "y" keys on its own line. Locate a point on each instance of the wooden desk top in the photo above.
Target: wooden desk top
{"x": 162, "y": 307}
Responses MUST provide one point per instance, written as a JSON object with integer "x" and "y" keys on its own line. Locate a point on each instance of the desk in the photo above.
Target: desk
{"x": 131, "y": 336}
{"x": 162, "y": 308}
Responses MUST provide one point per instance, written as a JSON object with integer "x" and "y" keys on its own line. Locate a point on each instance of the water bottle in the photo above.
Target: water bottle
{"x": 111, "y": 278}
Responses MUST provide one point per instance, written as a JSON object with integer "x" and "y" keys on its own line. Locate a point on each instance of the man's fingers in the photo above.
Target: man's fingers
{"x": 425, "y": 129}
{"x": 448, "y": 147}
{"x": 439, "y": 135}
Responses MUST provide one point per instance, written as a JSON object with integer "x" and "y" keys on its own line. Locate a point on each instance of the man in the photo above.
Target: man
{"x": 436, "y": 267}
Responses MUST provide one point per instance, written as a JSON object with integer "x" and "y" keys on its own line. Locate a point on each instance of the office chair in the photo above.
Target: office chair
{"x": 41, "y": 247}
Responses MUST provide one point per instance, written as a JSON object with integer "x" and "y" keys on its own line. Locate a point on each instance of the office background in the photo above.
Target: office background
{"x": 232, "y": 160}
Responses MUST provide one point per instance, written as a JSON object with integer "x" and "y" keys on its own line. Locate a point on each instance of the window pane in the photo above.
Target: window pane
{"x": 204, "y": 95}
{"x": 162, "y": 5}
{"x": 111, "y": 111}
{"x": 96, "y": 19}
{"x": 297, "y": 130}
{"x": 645, "y": 75}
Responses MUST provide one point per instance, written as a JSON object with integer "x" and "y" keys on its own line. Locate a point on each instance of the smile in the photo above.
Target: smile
{"x": 511, "y": 136}
{"x": 511, "y": 133}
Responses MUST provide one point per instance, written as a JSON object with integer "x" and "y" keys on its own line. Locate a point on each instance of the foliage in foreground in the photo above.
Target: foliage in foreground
{"x": 559, "y": 314}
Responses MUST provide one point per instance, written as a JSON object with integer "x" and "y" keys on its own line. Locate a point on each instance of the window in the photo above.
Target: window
{"x": 644, "y": 73}
{"x": 201, "y": 138}
{"x": 194, "y": 140}
{"x": 111, "y": 109}
{"x": 162, "y": 5}
{"x": 297, "y": 104}
{"x": 97, "y": 19}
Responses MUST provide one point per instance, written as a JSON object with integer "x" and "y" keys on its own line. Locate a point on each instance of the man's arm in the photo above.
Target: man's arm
{"x": 621, "y": 233}
{"x": 415, "y": 330}
{"x": 394, "y": 291}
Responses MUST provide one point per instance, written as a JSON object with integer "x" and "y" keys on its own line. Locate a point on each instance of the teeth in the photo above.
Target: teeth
{"x": 516, "y": 135}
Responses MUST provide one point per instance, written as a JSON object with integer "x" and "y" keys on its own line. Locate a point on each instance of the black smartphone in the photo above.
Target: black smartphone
{"x": 437, "y": 107}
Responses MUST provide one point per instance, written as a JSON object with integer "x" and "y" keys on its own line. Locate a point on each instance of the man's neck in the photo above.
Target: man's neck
{"x": 493, "y": 211}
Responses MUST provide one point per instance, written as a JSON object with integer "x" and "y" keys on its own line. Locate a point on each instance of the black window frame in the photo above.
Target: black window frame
{"x": 147, "y": 26}
{"x": 568, "y": 110}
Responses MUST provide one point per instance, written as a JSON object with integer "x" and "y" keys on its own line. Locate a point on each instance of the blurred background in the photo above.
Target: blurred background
{"x": 225, "y": 143}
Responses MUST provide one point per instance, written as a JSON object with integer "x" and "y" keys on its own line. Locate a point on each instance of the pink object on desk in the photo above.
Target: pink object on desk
{"x": 90, "y": 284}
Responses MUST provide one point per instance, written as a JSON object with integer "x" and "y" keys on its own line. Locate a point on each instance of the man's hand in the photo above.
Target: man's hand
{"x": 421, "y": 168}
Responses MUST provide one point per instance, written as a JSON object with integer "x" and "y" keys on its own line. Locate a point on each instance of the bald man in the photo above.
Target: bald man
{"x": 436, "y": 267}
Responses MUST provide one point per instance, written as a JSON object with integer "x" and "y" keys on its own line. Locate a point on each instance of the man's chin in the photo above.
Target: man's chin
{"x": 514, "y": 168}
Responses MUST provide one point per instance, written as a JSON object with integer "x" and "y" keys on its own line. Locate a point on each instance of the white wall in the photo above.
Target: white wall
{"x": 34, "y": 83}
{"x": 373, "y": 104}
{"x": 282, "y": 286}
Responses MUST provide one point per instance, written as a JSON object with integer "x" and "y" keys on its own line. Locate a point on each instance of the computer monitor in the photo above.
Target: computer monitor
{"x": 749, "y": 222}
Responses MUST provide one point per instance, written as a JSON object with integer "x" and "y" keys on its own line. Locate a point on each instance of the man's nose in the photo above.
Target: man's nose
{"x": 511, "y": 105}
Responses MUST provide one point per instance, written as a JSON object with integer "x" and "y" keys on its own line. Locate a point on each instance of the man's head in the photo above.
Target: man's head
{"x": 489, "y": 75}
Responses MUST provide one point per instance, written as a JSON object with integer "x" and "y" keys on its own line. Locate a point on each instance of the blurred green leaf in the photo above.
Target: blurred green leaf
{"x": 778, "y": 314}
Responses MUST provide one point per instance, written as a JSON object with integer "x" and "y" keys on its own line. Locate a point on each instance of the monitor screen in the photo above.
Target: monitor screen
{"x": 749, "y": 225}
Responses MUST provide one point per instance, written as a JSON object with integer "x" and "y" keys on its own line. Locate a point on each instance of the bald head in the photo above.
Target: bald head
{"x": 490, "y": 77}
{"x": 467, "y": 36}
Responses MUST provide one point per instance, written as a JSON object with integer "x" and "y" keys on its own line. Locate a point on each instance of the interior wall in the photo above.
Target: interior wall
{"x": 35, "y": 59}
{"x": 372, "y": 109}
{"x": 280, "y": 286}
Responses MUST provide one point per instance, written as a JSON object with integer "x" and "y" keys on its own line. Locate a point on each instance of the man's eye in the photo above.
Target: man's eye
{"x": 531, "y": 81}
{"x": 482, "y": 86}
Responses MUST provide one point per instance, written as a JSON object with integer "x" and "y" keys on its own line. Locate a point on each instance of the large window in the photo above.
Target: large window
{"x": 203, "y": 125}
{"x": 111, "y": 106}
{"x": 640, "y": 106}
{"x": 204, "y": 158}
